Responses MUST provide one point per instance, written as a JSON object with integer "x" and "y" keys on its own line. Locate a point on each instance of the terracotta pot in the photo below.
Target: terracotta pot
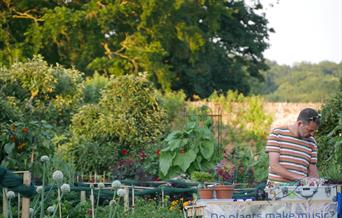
{"x": 224, "y": 191}
{"x": 205, "y": 193}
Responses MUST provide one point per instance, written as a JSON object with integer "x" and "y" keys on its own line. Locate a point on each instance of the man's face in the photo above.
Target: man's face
{"x": 306, "y": 130}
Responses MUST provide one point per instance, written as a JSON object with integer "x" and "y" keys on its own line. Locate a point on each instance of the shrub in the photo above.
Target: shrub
{"x": 329, "y": 138}
{"x": 122, "y": 124}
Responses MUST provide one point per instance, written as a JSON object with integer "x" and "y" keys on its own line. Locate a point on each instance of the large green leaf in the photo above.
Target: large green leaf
{"x": 9, "y": 148}
{"x": 174, "y": 135}
{"x": 207, "y": 149}
{"x": 183, "y": 160}
{"x": 165, "y": 162}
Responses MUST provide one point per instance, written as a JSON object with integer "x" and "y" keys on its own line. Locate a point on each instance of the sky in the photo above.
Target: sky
{"x": 306, "y": 30}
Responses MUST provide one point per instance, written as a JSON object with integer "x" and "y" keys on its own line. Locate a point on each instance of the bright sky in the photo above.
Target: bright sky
{"x": 306, "y": 30}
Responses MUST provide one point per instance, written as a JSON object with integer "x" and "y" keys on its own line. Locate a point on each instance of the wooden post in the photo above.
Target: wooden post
{"x": 126, "y": 199}
{"x": 132, "y": 197}
{"x": 92, "y": 202}
{"x": 83, "y": 196}
{"x": 4, "y": 202}
{"x": 25, "y": 208}
{"x": 19, "y": 205}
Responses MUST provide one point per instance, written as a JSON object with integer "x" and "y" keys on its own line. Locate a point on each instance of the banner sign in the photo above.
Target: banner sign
{"x": 269, "y": 209}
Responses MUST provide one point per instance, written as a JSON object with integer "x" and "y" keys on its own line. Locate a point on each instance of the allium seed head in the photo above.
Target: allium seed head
{"x": 39, "y": 189}
{"x": 65, "y": 188}
{"x": 101, "y": 185}
{"x": 51, "y": 209}
{"x": 116, "y": 184}
{"x": 10, "y": 194}
{"x": 57, "y": 176}
{"x": 44, "y": 158}
{"x": 121, "y": 192}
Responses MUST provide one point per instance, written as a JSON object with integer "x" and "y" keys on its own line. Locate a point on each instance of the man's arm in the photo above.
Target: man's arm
{"x": 313, "y": 172}
{"x": 280, "y": 170}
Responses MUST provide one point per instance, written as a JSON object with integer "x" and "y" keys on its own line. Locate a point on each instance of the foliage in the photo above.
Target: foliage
{"x": 225, "y": 171}
{"x": 93, "y": 87}
{"x": 200, "y": 176}
{"x": 192, "y": 149}
{"x": 37, "y": 101}
{"x": 195, "y": 46}
{"x": 244, "y": 134}
{"x": 174, "y": 105}
{"x": 329, "y": 137}
{"x": 121, "y": 125}
{"x": 22, "y": 142}
{"x": 246, "y": 113}
{"x": 303, "y": 82}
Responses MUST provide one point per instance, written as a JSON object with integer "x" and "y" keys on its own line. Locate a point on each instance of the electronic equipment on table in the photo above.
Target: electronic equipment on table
{"x": 302, "y": 190}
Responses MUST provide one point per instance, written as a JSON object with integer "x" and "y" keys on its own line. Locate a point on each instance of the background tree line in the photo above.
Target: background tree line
{"x": 303, "y": 82}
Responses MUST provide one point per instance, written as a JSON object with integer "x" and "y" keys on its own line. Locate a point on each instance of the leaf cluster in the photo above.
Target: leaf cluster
{"x": 190, "y": 149}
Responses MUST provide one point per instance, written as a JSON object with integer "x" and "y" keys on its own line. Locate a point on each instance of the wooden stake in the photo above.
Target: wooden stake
{"x": 25, "y": 208}
{"x": 83, "y": 196}
{"x": 126, "y": 199}
{"x": 92, "y": 203}
{"x": 4, "y": 202}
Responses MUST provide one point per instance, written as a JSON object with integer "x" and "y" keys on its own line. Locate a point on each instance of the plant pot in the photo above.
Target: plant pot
{"x": 205, "y": 193}
{"x": 224, "y": 191}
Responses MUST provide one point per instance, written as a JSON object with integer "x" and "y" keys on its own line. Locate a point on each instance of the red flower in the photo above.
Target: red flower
{"x": 158, "y": 152}
{"x": 124, "y": 152}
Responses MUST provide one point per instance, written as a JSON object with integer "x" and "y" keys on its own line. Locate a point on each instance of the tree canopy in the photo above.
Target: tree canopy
{"x": 198, "y": 46}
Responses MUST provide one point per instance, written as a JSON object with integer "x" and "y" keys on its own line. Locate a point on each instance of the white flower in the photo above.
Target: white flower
{"x": 44, "y": 158}
{"x": 51, "y": 209}
{"x": 31, "y": 210}
{"x": 65, "y": 188}
{"x": 10, "y": 194}
{"x": 112, "y": 202}
{"x": 116, "y": 184}
{"x": 39, "y": 189}
{"x": 121, "y": 192}
{"x": 57, "y": 176}
{"x": 101, "y": 185}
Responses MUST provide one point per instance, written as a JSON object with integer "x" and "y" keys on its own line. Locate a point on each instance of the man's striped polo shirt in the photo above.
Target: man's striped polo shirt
{"x": 295, "y": 154}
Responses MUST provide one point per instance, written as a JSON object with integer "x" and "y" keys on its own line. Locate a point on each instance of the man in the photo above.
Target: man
{"x": 292, "y": 149}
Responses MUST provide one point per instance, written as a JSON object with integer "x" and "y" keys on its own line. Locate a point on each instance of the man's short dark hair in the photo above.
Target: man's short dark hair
{"x": 308, "y": 114}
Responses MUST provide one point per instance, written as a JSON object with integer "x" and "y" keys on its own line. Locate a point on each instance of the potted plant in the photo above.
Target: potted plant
{"x": 225, "y": 171}
{"x": 203, "y": 177}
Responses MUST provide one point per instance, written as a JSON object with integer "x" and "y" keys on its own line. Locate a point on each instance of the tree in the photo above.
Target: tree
{"x": 198, "y": 46}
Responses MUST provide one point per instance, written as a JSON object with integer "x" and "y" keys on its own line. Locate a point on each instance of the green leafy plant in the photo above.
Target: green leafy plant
{"x": 329, "y": 138}
{"x": 202, "y": 177}
{"x": 190, "y": 149}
